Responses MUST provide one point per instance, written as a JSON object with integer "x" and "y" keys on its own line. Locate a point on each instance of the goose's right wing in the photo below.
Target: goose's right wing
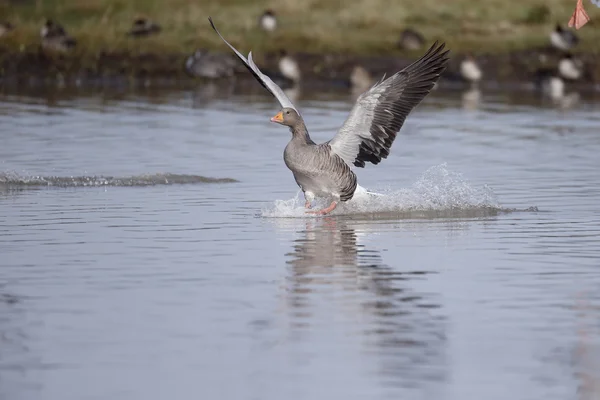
{"x": 379, "y": 113}
{"x": 263, "y": 79}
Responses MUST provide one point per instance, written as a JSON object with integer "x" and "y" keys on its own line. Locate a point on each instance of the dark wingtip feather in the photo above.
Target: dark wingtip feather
{"x": 404, "y": 91}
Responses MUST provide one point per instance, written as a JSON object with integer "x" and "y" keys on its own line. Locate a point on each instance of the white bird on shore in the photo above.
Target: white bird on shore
{"x": 563, "y": 39}
{"x": 288, "y": 67}
{"x": 569, "y": 68}
{"x": 469, "y": 69}
{"x": 268, "y": 21}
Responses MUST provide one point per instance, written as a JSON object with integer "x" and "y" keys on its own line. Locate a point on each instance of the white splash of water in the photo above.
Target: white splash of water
{"x": 438, "y": 189}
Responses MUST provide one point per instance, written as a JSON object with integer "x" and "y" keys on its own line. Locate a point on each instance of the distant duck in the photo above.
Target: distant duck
{"x": 288, "y": 67}
{"x": 360, "y": 79}
{"x": 469, "y": 70}
{"x": 143, "y": 27}
{"x": 55, "y": 37}
{"x": 5, "y": 28}
{"x": 268, "y": 21}
{"x": 563, "y": 39}
{"x": 203, "y": 64}
{"x": 569, "y": 68}
{"x": 411, "y": 40}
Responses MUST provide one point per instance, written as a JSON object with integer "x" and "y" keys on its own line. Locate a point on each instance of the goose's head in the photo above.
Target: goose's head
{"x": 287, "y": 116}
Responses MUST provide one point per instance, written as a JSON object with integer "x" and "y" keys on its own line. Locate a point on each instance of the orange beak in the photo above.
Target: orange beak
{"x": 278, "y": 118}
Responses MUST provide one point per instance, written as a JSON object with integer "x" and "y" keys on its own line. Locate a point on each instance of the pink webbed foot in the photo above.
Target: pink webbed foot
{"x": 324, "y": 211}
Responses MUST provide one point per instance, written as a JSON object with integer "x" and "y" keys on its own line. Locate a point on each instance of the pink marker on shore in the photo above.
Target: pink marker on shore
{"x": 579, "y": 17}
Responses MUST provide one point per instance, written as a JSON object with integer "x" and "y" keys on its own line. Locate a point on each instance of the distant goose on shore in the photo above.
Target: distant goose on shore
{"x": 563, "y": 39}
{"x": 288, "y": 67}
{"x": 55, "y": 37}
{"x": 411, "y": 40}
{"x": 5, "y": 28}
{"x": 469, "y": 70}
{"x": 268, "y": 21}
{"x": 203, "y": 64}
{"x": 570, "y": 68}
{"x": 143, "y": 27}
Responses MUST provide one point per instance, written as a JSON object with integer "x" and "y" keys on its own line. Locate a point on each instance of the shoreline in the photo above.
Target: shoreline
{"x": 37, "y": 65}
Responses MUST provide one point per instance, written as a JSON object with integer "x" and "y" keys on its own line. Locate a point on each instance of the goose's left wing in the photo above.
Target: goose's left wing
{"x": 263, "y": 79}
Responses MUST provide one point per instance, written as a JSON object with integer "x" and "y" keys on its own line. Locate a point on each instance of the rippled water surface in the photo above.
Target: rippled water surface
{"x": 153, "y": 245}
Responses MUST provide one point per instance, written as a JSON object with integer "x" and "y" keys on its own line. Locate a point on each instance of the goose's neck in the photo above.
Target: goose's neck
{"x": 300, "y": 133}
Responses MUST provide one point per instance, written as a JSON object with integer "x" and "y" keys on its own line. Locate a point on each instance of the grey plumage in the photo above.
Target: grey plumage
{"x": 324, "y": 170}
{"x": 316, "y": 169}
{"x": 210, "y": 65}
{"x": 379, "y": 113}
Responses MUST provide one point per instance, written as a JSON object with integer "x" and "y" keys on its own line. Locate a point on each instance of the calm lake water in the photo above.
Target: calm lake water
{"x": 153, "y": 245}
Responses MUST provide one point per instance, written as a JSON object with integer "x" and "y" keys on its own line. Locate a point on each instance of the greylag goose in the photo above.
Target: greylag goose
{"x": 324, "y": 170}
{"x": 411, "y": 40}
{"x": 55, "y": 37}
{"x": 563, "y": 39}
{"x": 268, "y": 21}
{"x": 469, "y": 70}
{"x": 143, "y": 27}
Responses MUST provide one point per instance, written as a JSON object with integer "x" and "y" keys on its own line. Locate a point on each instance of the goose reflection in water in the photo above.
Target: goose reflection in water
{"x": 399, "y": 329}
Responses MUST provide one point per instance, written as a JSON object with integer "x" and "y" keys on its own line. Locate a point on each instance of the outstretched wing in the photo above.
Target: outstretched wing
{"x": 263, "y": 79}
{"x": 378, "y": 115}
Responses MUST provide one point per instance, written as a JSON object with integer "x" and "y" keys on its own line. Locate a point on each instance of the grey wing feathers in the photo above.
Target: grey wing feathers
{"x": 263, "y": 79}
{"x": 379, "y": 113}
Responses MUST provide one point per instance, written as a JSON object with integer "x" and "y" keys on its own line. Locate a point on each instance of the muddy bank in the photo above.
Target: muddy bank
{"x": 121, "y": 68}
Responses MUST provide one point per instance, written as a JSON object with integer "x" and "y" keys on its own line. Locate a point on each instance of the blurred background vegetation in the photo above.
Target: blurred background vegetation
{"x": 364, "y": 27}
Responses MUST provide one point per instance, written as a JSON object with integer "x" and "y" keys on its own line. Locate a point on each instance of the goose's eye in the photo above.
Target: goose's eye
{"x": 287, "y": 112}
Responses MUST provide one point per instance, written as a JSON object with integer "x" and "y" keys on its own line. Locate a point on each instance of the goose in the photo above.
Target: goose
{"x": 324, "y": 170}
{"x": 268, "y": 21}
{"x": 563, "y": 39}
{"x": 569, "y": 68}
{"x": 469, "y": 70}
{"x": 55, "y": 37}
{"x": 143, "y": 27}
{"x": 411, "y": 40}
{"x": 208, "y": 65}
{"x": 5, "y": 28}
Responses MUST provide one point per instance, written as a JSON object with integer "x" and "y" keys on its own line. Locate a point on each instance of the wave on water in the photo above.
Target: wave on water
{"x": 15, "y": 180}
{"x": 437, "y": 193}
